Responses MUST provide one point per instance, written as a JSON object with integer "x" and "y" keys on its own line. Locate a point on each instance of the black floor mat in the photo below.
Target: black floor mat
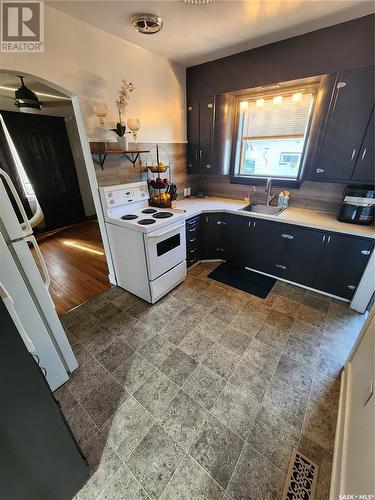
{"x": 242, "y": 279}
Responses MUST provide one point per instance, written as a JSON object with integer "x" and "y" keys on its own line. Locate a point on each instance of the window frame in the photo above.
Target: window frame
{"x": 236, "y": 178}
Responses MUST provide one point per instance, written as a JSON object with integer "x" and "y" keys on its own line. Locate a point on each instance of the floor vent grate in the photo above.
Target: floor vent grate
{"x": 301, "y": 479}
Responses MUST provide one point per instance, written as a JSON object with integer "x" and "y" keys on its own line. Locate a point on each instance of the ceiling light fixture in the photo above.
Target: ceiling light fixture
{"x": 147, "y": 24}
{"x": 259, "y": 103}
{"x": 244, "y": 106}
{"x": 277, "y": 100}
{"x": 297, "y": 97}
{"x": 25, "y": 99}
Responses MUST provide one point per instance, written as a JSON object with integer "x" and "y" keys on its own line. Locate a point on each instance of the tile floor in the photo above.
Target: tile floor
{"x": 204, "y": 394}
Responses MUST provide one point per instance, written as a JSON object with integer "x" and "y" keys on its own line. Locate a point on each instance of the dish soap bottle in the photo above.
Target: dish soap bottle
{"x": 280, "y": 199}
{"x": 286, "y": 199}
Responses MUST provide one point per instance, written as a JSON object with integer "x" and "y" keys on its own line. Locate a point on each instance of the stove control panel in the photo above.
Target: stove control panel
{"x": 114, "y": 196}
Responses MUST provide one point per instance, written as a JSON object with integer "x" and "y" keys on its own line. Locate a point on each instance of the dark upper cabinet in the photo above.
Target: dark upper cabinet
{"x": 338, "y": 151}
{"x": 303, "y": 253}
{"x": 206, "y": 130}
{"x": 236, "y": 239}
{"x": 212, "y": 247}
{"x": 209, "y": 132}
{"x": 193, "y": 135}
{"x": 364, "y": 168}
{"x": 267, "y": 253}
{"x": 342, "y": 263}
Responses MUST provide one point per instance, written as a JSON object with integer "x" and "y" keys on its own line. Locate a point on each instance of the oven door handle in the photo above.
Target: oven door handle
{"x": 165, "y": 232}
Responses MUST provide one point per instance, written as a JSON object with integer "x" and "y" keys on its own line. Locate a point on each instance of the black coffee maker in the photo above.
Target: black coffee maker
{"x": 358, "y": 205}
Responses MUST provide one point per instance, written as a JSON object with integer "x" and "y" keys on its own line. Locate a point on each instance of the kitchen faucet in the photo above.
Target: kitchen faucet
{"x": 251, "y": 189}
{"x": 268, "y": 189}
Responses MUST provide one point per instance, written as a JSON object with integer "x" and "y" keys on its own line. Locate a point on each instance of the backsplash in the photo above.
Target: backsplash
{"x": 323, "y": 196}
{"x": 118, "y": 170}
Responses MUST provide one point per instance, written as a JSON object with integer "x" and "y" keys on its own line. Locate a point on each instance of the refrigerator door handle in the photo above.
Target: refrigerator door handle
{"x": 46, "y": 279}
{"x": 9, "y": 304}
{"x": 25, "y": 225}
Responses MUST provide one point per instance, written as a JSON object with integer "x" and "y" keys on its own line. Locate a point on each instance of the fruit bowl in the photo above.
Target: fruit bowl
{"x": 158, "y": 169}
{"x": 158, "y": 183}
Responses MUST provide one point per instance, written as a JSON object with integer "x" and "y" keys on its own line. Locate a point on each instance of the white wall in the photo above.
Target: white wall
{"x": 91, "y": 63}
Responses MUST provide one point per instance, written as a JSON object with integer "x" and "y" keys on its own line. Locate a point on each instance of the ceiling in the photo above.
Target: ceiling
{"x": 9, "y": 83}
{"x": 193, "y": 34}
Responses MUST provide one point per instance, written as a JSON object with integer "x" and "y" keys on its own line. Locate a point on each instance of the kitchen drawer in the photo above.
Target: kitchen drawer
{"x": 192, "y": 260}
{"x": 193, "y": 238}
{"x": 193, "y": 251}
{"x": 193, "y": 221}
{"x": 191, "y": 228}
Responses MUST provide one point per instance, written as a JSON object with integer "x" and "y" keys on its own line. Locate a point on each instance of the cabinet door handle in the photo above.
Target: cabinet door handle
{"x": 210, "y": 106}
{"x": 353, "y": 154}
{"x": 351, "y": 287}
{"x": 200, "y": 154}
{"x": 255, "y": 223}
{"x": 189, "y": 108}
{"x": 323, "y": 238}
{"x": 192, "y": 240}
{"x": 196, "y": 154}
{"x": 250, "y": 222}
{"x": 319, "y": 170}
{"x": 329, "y": 239}
{"x": 193, "y": 250}
{"x": 208, "y": 166}
{"x": 287, "y": 236}
{"x": 365, "y": 252}
{"x": 194, "y": 228}
{"x": 279, "y": 266}
{"x": 219, "y": 222}
{"x": 364, "y": 154}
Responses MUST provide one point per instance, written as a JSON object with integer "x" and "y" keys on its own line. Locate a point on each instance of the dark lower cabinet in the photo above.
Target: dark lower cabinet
{"x": 304, "y": 249}
{"x": 268, "y": 248}
{"x": 236, "y": 239}
{"x": 330, "y": 262}
{"x": 342, "y": 264}
{"x": 212, "y": 246}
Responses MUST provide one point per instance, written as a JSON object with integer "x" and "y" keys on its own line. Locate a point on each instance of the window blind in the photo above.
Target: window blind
{"x": 270, "y": 120}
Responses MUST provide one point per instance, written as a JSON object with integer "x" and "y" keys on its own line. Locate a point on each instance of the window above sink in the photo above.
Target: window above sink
{"x": 272, "y": 132}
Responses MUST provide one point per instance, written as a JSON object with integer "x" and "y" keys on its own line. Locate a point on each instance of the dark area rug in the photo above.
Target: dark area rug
{"x": 242, "y": 279}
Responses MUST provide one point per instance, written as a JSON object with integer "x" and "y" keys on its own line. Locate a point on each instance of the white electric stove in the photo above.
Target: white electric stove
{"x": 147, "y": 244}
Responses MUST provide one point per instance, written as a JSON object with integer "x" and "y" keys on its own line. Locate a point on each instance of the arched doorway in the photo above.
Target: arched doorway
{"x": 78, "y": 256}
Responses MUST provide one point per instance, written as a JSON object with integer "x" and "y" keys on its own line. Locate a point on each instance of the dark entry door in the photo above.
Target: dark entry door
{"x": 43, "y": 146}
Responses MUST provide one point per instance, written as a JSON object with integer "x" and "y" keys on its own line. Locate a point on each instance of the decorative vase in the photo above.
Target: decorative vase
{"x": 122, "y": 142}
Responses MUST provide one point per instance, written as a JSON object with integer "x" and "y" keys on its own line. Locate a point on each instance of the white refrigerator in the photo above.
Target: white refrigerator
{"x": 25, "y": 284}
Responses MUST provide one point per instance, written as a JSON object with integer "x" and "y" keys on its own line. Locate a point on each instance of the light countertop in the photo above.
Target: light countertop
{"x": 326, "y": 221}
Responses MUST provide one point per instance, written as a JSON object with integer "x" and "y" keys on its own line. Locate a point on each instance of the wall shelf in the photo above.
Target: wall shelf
{"x": 130, "y": 154}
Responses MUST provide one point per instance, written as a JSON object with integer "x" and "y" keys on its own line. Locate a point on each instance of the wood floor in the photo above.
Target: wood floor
{"x": 76, "y": 264}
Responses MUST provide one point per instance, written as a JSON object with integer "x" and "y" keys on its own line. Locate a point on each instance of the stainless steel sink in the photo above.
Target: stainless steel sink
{"x": 263, "y": 209}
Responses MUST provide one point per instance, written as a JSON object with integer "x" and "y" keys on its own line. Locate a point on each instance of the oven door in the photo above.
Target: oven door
{"x": 165, "y": 248}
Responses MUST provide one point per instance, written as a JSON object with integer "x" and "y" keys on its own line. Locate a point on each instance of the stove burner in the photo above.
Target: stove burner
{"x": 146, "y": 222}
{"x": 129, "y": 217}
{"x": 149, "y": 211}
{"x": 162, "y": 215}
